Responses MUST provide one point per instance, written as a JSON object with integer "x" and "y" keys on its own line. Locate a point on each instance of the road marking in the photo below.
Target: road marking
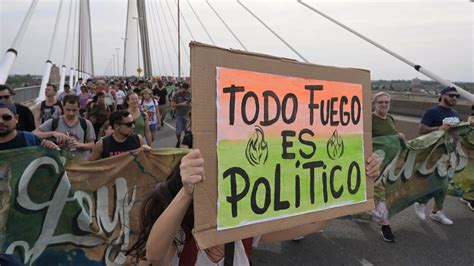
{"x": 169, "y": 125}
{"x": 365, "y": 262}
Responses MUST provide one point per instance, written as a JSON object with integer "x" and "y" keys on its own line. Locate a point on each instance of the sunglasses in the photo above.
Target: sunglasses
{"x": 6, "y": 97}
{"x": 129, "y": 124}
{"x": 453, "y": 95}
{"x": 385, "y": 102}
{"x": 6, "y": 117}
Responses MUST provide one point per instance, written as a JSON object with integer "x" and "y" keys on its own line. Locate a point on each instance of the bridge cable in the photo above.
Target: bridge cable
{"x": 186, "y": 23}
{"x": 169, "y": 30}
{"x": 72, "y": 76}
{"x": 176, "y": 27}
{"x": 63, "y": 66}
{"x": 163, "y": 37}
{"x": 469, "y": 96}
{"x": 200, "y": 22}
{"x": 225, "y": 24}
{"x": 8, "y": 59}
{"x": 153, "y": 38}
{"x": 47, "y": 71}
{"x": 272, "y": 31}
{"x": 158, "y": 40}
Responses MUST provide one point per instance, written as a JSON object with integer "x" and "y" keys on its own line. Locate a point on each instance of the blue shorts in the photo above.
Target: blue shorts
{"x": 153, "y": 127}
{"x": 181, "y": 123}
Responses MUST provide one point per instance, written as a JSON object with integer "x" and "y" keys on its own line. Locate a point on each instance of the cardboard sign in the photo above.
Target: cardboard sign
{"x": 288, "y": 146}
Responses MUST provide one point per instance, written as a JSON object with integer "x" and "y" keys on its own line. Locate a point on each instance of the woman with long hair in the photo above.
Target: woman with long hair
{"x": 167, "y": 220}
{"x": 97, "y": 111}
{"x": 142, "y": 128}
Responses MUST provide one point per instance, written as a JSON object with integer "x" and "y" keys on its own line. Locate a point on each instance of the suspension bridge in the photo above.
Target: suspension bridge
{"x": 153, "y": 41}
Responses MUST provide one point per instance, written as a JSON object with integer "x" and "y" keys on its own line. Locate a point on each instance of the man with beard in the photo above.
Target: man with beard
{"x": 122, "y": 140}
{"x": 10, "y": 138}
{"x": 438, "y": 117}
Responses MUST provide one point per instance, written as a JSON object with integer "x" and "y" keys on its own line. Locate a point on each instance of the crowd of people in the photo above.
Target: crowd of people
{"x": 98, "y": 119}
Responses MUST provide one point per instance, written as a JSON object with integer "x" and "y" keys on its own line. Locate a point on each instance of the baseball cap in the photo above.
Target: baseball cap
{"x": 8, "y": 106}
{"x": 447, "y": 89}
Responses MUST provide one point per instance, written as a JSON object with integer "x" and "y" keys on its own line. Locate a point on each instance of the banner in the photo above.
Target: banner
{"x": 55, "y": 210}
{"x": 286, "y": 146}
{"x": 425, "y": 165}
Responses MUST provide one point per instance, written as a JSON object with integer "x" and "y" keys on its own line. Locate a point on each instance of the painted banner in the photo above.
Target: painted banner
{"x": 286, "y": 146}
{"x": 55, "y": 210}
{"x": 425, "y": 165}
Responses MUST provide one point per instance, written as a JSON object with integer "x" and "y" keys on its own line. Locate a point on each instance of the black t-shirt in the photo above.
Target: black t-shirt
{"x": 161, "y": 94}
{"x": 26, "y": 119}
{"x": 20, "y": 141}
{"x": 110, "y": 147}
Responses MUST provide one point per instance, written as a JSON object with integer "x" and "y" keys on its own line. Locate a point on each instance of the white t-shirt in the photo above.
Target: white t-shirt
{"x": 150, "y": 111}
{"x": 119, "y": 96}
{"x": 240, "y": 257}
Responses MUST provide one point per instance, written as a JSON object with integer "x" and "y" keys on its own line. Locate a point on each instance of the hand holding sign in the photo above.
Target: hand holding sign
{"x": 192, "y": 170}
{"x": 372, "y": 167}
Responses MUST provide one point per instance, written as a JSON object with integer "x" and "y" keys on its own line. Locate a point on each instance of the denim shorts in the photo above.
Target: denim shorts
{"x": 153, "y": 127}
{"x": 181, "y": 123}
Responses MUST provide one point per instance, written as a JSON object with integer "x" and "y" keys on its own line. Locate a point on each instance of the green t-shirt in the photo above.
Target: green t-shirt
{"x": 140, "y": 125}
{"x": 383, "y": 127}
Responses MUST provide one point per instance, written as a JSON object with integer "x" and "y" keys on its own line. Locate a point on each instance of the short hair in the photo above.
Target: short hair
{"x": 71, "y": 99}
{"x": 67, "y": 85}
{"x": 5, "y": 87}
{"x": 117, "y": 116}
{"x": 52, "y": 85}
{"x": 380, "y": 94}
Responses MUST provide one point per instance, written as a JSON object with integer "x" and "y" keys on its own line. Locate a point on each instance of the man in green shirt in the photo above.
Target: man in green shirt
{"x": 383, "y": 124}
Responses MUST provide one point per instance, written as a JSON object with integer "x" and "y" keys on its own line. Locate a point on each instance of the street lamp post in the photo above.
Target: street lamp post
{"x": 113, "y": 65}
{"x": 118, "y": 61}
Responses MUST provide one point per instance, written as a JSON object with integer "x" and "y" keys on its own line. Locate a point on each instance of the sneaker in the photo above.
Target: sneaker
{"x": 470, "y": 203}
{"x": 440, "y": 217}
{"x": 420, "y": 210}
{"x": 387, "y": 234}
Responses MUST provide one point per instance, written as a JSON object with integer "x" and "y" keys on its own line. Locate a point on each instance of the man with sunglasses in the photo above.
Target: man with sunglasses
{"x": 10, "y": 138}
{"x": 441, "y": 116}
{"x": 26, "y": 120}
{"x": 121, "y": 141}
{"x": 438, "y": 117}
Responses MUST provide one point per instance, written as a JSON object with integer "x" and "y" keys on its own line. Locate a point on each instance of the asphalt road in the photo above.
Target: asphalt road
{"x": 349, "y": 242}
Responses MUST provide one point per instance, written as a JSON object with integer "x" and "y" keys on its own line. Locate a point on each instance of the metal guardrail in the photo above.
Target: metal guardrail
{"x": 26, "y": 94}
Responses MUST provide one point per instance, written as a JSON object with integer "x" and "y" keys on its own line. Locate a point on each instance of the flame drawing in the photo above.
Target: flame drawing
{"x": 257, "y": 148}
{"x": 335, "y": 146}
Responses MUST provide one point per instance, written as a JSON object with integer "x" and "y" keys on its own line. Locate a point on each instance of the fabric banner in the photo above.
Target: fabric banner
{"x": 425, "y": 165}
{"x": 286, "y": 146}
{"x": 57, "y": 210}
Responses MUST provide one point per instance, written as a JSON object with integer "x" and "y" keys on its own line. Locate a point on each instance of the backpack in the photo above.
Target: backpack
{"x": 82, "y": 121}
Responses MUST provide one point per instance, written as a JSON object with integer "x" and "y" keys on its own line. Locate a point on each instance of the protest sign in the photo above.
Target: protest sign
{"x": 55, "y": 210}
{"x": 288, "y": 146}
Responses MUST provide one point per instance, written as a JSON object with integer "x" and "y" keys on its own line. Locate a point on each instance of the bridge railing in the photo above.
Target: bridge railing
{"x": 26, "y": 94}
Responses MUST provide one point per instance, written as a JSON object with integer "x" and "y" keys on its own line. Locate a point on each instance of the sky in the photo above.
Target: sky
{"x": 437, "y": 35}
